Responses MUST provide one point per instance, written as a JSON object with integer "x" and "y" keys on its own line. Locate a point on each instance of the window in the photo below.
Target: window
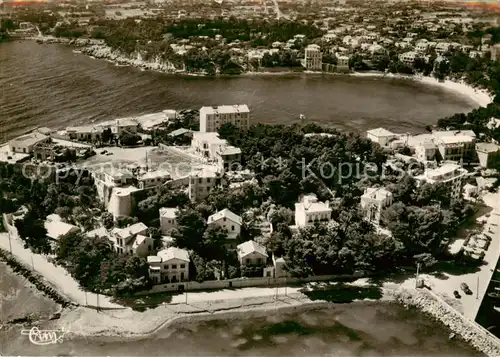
{"x": 248, "y": 261}
{"x": 224, "y": 219}
{"x": 174, "y": 266}
{"x": 259, "y": 261}
{"x": 232, "y": 228}
{"x": 183, "y": 266}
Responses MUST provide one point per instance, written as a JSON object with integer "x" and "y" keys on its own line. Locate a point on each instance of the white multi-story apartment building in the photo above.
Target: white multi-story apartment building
{"x": 313, "y": 58}
{"x": 168, "y": 219}
{"x": 170, "y": 265}
{"x": 228, "y": 220}
{"x": 132, "y": 240}
{"x": 309, "y": 210}
{"x": 455, "y": 145}
{"x": 449, "y": 174}
{"x": 373, "y": 202}
{"x": 381, "y": 136}
{"x": 212, "y": 118}
{"x": 202, "y": 183}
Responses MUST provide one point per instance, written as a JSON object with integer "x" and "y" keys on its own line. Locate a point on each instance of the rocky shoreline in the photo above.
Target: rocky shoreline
{"x": 468, "y": 330}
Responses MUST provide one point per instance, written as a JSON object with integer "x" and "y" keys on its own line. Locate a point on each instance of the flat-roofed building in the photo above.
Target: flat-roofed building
{"x": 212, "y": 118}
{"x": 488, "y": 154}
{"x": 455, "y": 145}
{"x": 24, "y": 144}
{"x": 449, "y": 174}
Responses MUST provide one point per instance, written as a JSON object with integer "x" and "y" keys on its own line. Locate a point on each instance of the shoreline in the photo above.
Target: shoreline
{"x": 482, "y": 97}
{"x": 421, "y": 300}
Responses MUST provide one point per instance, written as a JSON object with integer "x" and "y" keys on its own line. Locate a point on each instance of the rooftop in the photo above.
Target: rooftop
{"x": 311, "y": 204}
{"x": 173, "y": 253}
{"x": 57, "y": 229}
{"x": 380, "y": 132}
{"x": 29, "y": 139}
{"x": 225, "y": 109}
{"x": 377, "y": 193}
{"x": 168, "y": 212}
{"x": 225, "y": 213}
{"x": 250, "y": 247}
{"x": 487, "y": 147}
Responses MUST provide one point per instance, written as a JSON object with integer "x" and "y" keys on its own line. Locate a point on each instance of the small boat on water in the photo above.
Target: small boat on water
{"x": 302, "y": 117}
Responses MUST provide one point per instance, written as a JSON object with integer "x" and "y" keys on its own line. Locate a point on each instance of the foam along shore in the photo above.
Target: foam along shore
{"x": 481, "y": 96}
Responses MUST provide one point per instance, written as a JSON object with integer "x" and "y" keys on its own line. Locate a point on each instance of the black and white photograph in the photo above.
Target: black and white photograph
{"x": 250, "y": 178}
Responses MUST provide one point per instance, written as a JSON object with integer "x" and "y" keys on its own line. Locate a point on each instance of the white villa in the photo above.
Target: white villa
{"x": 170, "y": 265}
{"x": 228, "y": 220}
{"x": 132, "y": 240}
{"x": 374, "y": 201}
{"x": 251, "y": 253}
{"x": 168, "y": 219}
{"x": 310, "y": 210}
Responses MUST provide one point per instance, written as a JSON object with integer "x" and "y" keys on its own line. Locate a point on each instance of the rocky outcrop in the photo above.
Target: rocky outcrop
{"x": 104, "y": 52}
{"x": 468, "y": 330}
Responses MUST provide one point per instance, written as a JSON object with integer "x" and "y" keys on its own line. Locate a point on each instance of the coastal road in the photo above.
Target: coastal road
{"x": 57, "y": 276}
{"x": 478, "y": 280}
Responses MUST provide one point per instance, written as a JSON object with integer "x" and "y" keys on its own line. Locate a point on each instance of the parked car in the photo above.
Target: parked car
{"x": 465, "y": 288}
{"x": 456, "y": 294}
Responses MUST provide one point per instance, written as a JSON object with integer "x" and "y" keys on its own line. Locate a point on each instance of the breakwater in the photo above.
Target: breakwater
{"x": 430, "y": 304}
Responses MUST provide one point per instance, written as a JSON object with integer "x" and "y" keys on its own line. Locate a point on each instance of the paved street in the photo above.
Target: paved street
{"x": 477, "y": 279}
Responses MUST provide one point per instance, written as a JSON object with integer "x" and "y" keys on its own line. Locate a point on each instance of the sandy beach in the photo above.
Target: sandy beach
{"x": 481, "y": 96}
